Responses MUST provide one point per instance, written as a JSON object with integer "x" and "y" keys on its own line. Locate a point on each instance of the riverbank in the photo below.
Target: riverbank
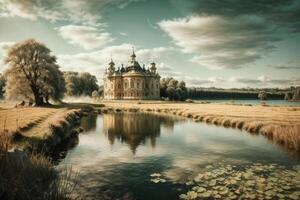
{"x": 279, "y": 123}
{"x": 41, "y": 127}
{"x": 28, "y": 135}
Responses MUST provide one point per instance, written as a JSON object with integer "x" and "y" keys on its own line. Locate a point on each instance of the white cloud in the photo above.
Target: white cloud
{"x": 219, "y": 42}
{"x": 3, "y": 50}
{"x": 76, "y": 11}
{"x": 88, "y": 37}
{"x": 123, "y": 34}
{"x": 4, "y": 47}
{"x": 96, "y": 61}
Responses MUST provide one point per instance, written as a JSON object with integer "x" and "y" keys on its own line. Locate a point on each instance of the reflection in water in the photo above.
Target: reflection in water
{"x": 108, "y": 169}
{"x": 88, "y": 123}
{"x": 134, "y": 129}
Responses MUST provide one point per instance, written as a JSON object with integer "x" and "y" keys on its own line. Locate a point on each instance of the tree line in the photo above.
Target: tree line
{"x": 33, "y": 75}
{"x": 231, "y": 94}
{"x": 173, "y": 89}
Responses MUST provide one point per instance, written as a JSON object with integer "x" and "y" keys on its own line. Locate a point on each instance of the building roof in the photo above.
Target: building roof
{"x": 133, "y": 68}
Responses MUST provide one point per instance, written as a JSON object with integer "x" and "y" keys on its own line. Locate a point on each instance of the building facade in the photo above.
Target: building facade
{"x": 131, "y": 82}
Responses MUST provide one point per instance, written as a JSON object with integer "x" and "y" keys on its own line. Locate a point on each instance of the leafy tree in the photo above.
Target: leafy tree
{"x": 2, "y": 85}
{"x": 173, "y": 89}
{"x": 296, "y": 95}
{"x": 89, "y": 83}
{"x": 262, "y": 95}
{"x": 80, "y": 83}
{"x": 288, "y": 96}
{"x": 33, "y": 73}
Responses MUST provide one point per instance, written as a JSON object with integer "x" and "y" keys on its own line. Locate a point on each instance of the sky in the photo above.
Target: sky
{"x": 206, "y": 43}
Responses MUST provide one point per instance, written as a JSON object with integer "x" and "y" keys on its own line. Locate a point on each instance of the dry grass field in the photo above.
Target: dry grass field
{"x": 279, "y": 123}
{"x": 31, "y": 121}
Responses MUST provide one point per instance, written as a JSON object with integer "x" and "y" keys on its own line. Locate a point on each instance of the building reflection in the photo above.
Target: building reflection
{"x": 134, "y": 129}
{"x": 88, "y": 123}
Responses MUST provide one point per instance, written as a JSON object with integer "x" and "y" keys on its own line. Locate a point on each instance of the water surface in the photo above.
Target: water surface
{"x": 254, "y": 102}
{"x": 148, "y": 156}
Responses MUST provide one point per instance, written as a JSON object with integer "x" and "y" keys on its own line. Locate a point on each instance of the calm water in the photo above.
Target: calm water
{"x": 255, "y": 102}
{"x": 117, "y": 153}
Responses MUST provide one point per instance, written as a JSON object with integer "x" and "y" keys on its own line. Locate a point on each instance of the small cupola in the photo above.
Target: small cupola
{"x": 153, "y": 67}
{"x": 111, "y": 67}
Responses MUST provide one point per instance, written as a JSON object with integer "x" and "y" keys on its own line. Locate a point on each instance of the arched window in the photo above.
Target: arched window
{"x": 131, "y": 84}
{"x": 119, "y": 86}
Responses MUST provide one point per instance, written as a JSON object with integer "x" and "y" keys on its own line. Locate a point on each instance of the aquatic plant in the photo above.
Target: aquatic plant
{"x": 252, "y": 181}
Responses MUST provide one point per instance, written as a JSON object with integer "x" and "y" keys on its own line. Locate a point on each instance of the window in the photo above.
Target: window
{"x": 119, "y": 86}
{"x": 125, "y": 85}
{"x": 137, "y": 84}
{"x": 131, "y": 84}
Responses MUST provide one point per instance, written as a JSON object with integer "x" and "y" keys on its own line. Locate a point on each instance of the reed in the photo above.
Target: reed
{"x": 31, "y": 176}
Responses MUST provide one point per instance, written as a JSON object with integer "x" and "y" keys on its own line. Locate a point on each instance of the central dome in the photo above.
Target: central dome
{"x": 133, "y": 64}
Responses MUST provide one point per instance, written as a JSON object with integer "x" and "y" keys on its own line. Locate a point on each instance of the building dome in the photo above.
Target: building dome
{"x": 133, "y": 64}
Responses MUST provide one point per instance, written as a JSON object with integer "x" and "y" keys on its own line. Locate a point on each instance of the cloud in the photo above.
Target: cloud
{"x": 265, "y": 81}
{"x": 283, "y": 13}
{"x": 123, "y": 34}
{"x": 3, "y": 50}
{"x": 284, "y": 66}
{"x": 79, "y": 11}
{"x": 87, "y": 37}
{"x": 4, "y": 47}
{"x": 221, "y": 42}
{"x": 96, "y": 61}
{"x": 233, "y": 33}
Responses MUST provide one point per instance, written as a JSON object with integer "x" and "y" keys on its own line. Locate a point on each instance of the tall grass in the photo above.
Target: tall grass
{"x": 31, "y": 176}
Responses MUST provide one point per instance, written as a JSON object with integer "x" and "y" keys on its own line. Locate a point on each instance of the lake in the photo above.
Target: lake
{"x": 148, "y": 156}
{"x": 253, "y": 102}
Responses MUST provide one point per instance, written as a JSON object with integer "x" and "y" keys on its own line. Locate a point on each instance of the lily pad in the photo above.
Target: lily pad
{"x": 155, "y": 175}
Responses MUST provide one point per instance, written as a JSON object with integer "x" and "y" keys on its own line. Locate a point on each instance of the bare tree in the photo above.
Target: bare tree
{"x": 33, "y": 73}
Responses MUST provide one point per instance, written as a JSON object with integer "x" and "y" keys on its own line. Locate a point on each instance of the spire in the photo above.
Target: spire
{"x": 133, "y": 56}
{"x": 111, "y": 63}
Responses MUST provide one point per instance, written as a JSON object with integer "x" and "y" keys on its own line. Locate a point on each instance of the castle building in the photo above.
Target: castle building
{"x": 131, "y": 82}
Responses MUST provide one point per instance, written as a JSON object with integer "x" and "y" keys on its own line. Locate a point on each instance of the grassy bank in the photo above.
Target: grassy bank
{"x": 29, "y": 173}
{"x": 43, "y": 127}
{"x": 31, "y": 176}
{"x": 279, "y": 123}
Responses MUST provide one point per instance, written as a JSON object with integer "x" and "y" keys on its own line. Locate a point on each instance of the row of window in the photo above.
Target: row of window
{"x": 133, "y": 94}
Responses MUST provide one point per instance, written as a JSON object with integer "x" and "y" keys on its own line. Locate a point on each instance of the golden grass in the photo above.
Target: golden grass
{"x": 279, "y": 123}
{"x": 31, "y": 176}
{"x": 31, "y": 121}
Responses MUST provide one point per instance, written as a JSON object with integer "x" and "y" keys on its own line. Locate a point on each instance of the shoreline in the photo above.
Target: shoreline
{"x": 42, "y": 129}
{"x": 278, "y": 123}
{"x": 281, "y": 124}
